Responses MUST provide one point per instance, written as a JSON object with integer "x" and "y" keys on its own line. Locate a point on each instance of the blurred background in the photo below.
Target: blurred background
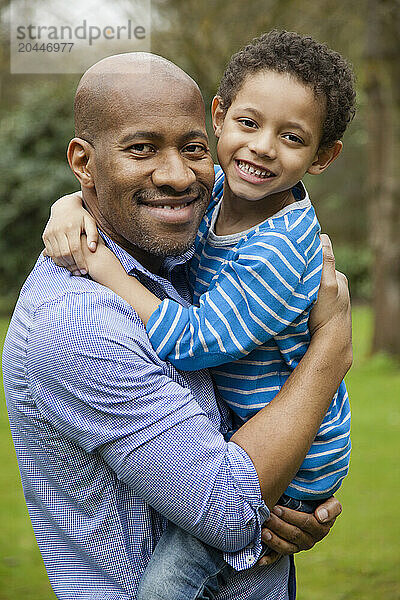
{"x": 358, "y": 204}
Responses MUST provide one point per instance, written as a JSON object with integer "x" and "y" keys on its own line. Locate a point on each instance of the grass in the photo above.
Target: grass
{"x": 359, "y": 559}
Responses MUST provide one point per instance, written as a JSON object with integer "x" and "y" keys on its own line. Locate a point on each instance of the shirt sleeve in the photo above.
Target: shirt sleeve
{"x": 255, "y": 297}
{"x": 105, "y": 389}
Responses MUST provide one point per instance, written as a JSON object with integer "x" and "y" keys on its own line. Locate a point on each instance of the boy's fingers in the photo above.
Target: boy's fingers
{"x": 61, "y": 256}
{"x": 279, "y": 545}
{"x": 57, "y": 254}
{"x": 92, "y": 234}
{"x": 59, "y": 263}
{"x": 76, "y": 255}
{"x": 64, "y": 251}
{"x": 48, "y": 248}
{"x": 327, "y": 246}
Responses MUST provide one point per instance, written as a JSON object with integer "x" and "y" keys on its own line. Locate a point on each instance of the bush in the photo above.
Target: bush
{"x": 355, "y": 262}
{"x": 33, "y": 139}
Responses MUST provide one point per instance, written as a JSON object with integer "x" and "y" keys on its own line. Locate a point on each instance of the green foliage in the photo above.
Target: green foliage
{"x": 355, "y": 262}
{"x": 358, "y": 559}
{"x": 33, "y": 138}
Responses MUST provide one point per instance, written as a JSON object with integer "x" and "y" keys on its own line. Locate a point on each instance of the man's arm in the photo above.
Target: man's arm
{"x": 149, "y": 429}
{"x": 105, "y": 389}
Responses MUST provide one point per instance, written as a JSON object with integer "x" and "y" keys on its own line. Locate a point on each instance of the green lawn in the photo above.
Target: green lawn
{"x": 358, "y": 560}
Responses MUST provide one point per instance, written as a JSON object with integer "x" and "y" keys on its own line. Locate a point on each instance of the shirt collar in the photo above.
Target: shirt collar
{"x": 132, "y": 265}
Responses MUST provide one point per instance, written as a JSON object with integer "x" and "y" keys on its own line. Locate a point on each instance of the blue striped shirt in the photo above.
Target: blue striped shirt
{"x": 252, "y": 296}
{"x": 111, "y": 441}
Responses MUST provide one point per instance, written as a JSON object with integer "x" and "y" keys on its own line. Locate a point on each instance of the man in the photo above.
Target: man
{"x": 111, "y": 441}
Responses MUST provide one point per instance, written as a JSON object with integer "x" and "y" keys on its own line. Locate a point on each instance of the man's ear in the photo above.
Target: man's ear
{"x": 80, "y": 158}
{"x": 218, "y": 115}
{"x": 324, "y": 158}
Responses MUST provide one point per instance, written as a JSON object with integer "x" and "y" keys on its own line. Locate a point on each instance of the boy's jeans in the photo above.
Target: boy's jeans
{"x": 184, "y": 568}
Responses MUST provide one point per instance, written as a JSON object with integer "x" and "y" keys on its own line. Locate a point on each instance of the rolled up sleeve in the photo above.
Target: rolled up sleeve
{"x": 104, "y": 388}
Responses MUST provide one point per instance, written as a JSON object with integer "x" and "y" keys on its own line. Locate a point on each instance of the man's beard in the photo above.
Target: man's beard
{"x": 149, "y": 244}
{"x": 165, "y": 245}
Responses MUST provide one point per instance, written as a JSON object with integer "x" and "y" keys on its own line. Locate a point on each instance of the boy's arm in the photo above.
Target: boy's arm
{"x": 105, "y": 268}
{"x": 71, "y": 240}
{"x": 62, "y": 235}
{"x": 253, "y": 300}
{"x": 257, "y": 294}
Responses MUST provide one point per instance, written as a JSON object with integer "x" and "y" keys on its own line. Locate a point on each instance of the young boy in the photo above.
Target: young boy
{"x": 282, "y": 106}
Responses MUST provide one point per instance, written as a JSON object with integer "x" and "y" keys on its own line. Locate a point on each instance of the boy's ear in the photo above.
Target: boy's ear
{"x": 324, "y": 158}
{"x": 80, "y": 157}
{"x": 218, "y": 115}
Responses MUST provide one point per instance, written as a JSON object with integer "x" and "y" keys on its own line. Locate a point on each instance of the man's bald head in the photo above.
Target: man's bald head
{"x": 105, "y": 85}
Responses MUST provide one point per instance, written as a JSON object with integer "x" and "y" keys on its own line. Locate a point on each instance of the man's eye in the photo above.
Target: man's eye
{"x": 142, "y": 148}
{"x": 248, "y": 123}
{"x": 293, "y": 138}
{"x": 197, "y": 149}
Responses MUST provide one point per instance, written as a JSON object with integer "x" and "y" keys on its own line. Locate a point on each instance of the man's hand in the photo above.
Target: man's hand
{"x": 288, "y": 531}
{"x": 333, "y": 306}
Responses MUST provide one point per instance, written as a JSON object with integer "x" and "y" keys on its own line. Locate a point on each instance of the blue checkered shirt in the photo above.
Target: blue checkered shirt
{"x": 112, "y": 441}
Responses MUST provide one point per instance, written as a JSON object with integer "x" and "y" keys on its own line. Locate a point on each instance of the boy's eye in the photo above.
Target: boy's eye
{"x": 142, "y": 149}
{"x": 293, "y": 138}
{"x": 248, "y": 123}
{"x": 195, "y": 149}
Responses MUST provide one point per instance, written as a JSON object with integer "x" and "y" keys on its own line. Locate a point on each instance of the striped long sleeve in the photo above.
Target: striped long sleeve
{"x": 252, "y": 295}
{"x": 256, "y": 294}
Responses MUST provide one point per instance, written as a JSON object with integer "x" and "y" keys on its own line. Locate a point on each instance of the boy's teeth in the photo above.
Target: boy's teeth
{"x": 249, "y": 169}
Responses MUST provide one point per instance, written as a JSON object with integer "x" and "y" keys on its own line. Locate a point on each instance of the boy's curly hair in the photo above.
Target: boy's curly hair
{"x": 314, "y": 64}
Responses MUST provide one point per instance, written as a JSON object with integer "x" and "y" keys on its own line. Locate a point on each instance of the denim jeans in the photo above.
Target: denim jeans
{"x": 183, "y": 568}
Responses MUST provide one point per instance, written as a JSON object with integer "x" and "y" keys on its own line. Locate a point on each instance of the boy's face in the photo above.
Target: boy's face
{"x": 269, "y": 137}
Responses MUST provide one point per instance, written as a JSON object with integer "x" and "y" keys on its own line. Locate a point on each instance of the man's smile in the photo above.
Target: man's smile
{"x": 172, "y": 210}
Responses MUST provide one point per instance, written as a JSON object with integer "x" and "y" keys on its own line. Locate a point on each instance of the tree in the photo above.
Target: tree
{"x": 382, "y": 84}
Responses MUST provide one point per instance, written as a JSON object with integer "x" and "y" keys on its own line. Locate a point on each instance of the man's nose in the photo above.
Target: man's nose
{"x": 264, "y": 145}
{"x": 173, "y": 171}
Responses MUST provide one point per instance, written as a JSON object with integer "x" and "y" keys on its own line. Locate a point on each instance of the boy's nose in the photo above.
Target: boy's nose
{"x": 263, "y": 145}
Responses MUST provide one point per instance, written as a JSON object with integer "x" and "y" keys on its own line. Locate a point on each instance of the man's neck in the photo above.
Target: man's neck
{"x": 150, "y": 262}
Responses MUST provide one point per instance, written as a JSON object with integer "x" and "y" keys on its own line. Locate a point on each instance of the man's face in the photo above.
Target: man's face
{"x": 153, "y": 172}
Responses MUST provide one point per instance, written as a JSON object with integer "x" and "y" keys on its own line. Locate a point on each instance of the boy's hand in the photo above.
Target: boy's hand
{"x": 62, "y": 235}
{"x": 103, "y": 266}
{"x": 288, "y": 531}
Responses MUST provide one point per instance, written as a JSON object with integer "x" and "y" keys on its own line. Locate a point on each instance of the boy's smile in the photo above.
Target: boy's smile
{"x": 268, "y": 139}
{"x": 252, "y": 172}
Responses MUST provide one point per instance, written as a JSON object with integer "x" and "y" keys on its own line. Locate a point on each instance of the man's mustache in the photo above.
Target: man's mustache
{"x": 167, "y": 193}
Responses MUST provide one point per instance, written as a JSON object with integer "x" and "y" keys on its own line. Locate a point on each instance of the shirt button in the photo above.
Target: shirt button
{"x": 250, "y": 559}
